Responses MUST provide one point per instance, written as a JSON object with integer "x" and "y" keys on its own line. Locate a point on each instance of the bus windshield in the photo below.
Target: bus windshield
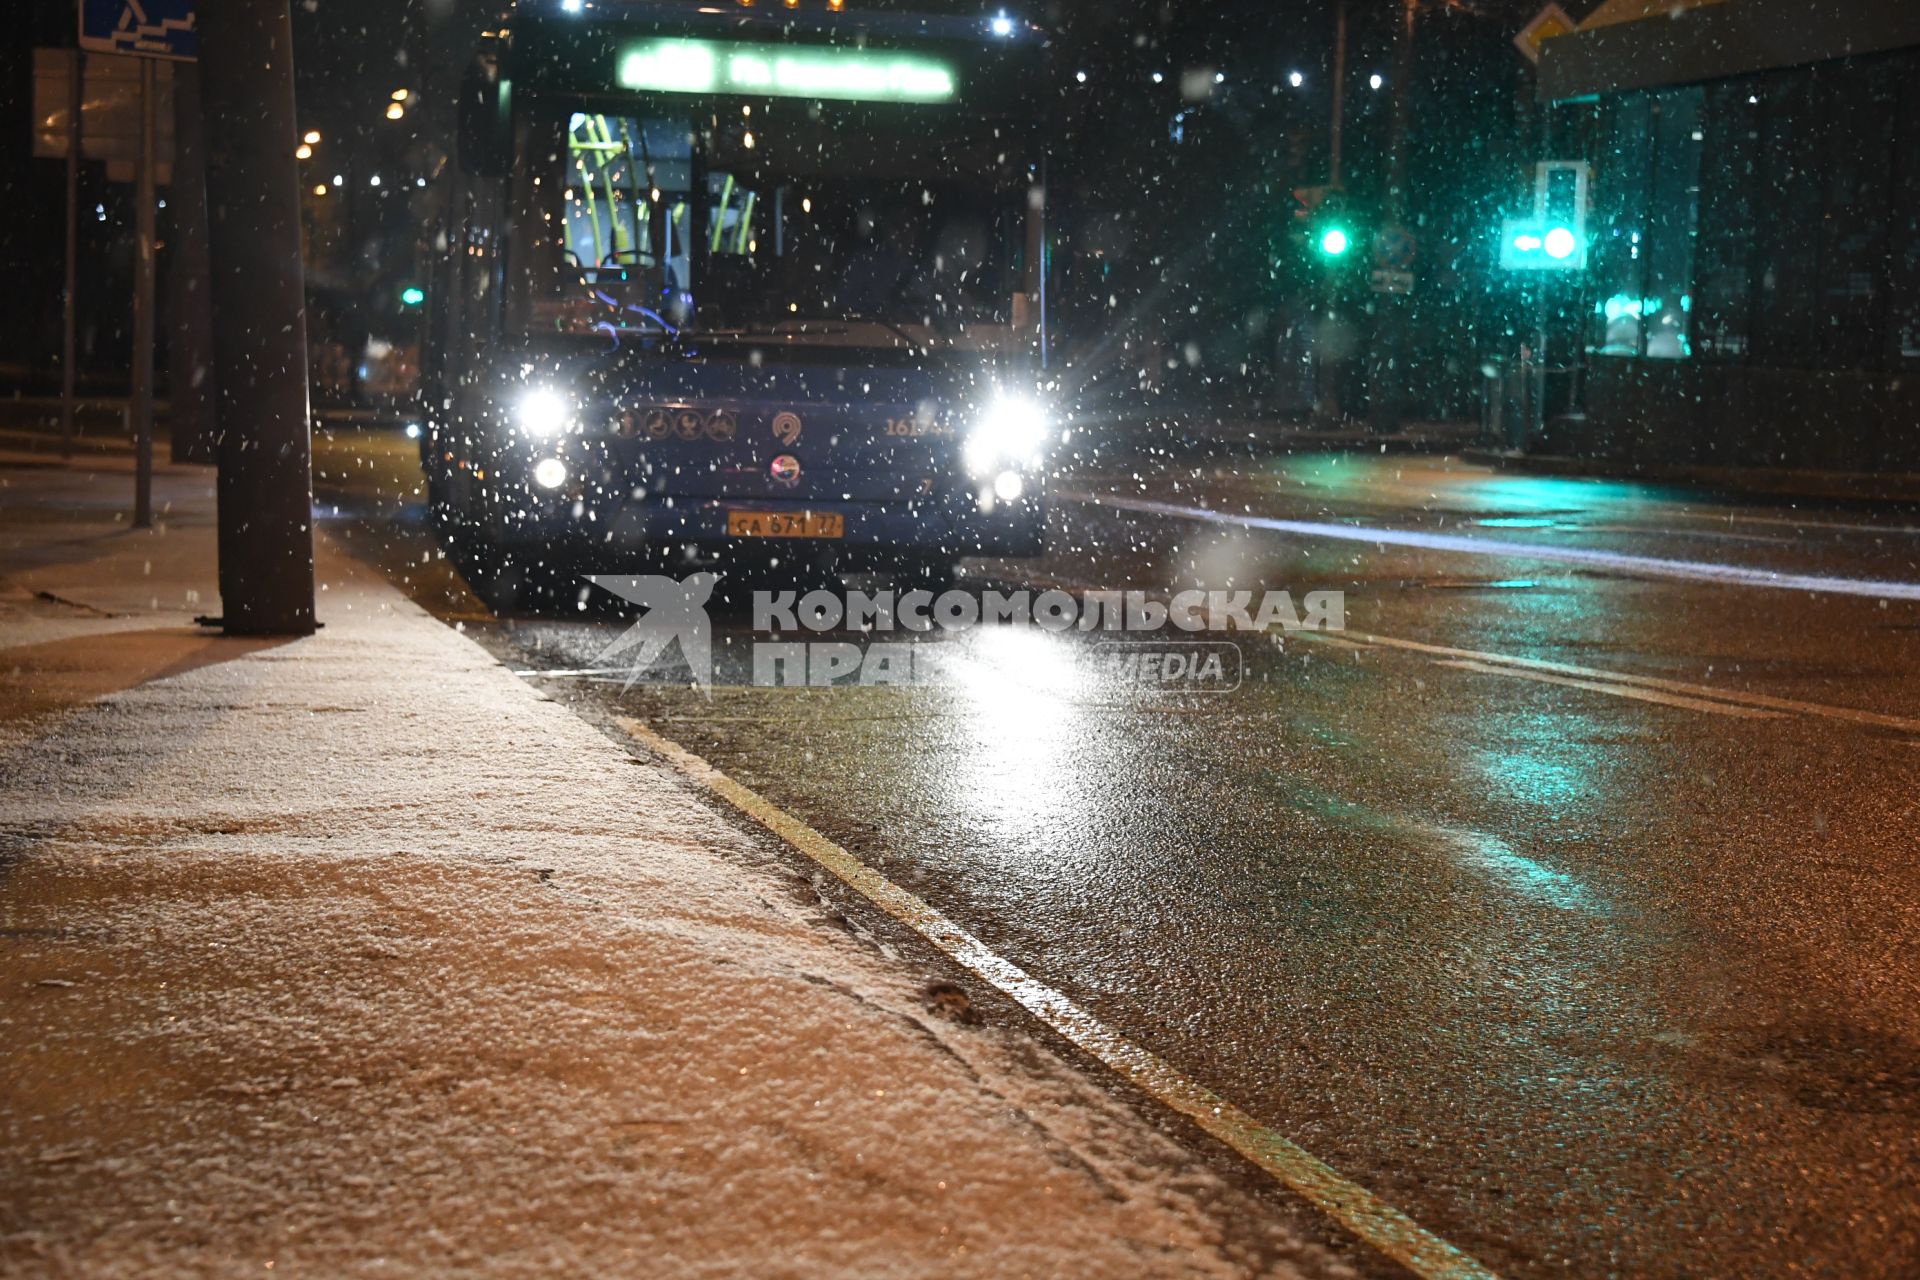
{"x": 676, "y": 227}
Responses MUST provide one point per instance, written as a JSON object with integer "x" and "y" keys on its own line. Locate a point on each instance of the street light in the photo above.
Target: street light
{"x": 395, "y": 111}
{"x": 1334, "y": 242}
{"x": 313, "y": 138}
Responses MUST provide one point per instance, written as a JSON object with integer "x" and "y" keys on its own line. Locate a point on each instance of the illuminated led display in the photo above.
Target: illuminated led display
{"x": 706, "y": 66}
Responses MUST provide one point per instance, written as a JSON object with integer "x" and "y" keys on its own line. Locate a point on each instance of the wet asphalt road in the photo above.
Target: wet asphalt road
{"x": 1604, "y": 965}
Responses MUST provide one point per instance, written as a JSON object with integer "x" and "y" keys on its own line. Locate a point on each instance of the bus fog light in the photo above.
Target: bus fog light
{"x": 549, "y": 473}
{"x": 1008, "y": 486}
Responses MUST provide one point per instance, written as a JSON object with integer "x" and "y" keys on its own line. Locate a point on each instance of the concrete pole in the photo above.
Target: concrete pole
{"x": 259, "y": 318}
{"x": 190, "y": 377}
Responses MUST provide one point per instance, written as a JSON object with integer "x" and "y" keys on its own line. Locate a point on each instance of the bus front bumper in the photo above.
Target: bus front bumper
{"x": 950, "y": 526}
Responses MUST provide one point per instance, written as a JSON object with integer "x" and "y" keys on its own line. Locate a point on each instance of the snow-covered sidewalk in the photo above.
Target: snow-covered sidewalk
{"x": 355, "y": 955}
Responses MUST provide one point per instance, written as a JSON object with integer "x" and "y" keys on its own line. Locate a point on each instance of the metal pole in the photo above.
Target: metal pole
{"x": 1402, "y": 87}
{"x": 1040, "y": 214}
{"x": 70, "y": 301}
{"x": 1542, "y": 356}
{"x": 140, "y": 403}
{"x": 1339, "y": 95}
{"x": 259, "y": 319}
{"x": 1388, "y": 378}
{"x": 191, "y": 377}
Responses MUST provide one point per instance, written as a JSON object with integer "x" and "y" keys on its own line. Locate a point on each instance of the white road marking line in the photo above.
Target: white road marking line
{"x": 1725, "y": 535}
{"x": 1372, "y": 1219}
{"x": 1850, "y": 714}
{"x": 1617, "y": 690}
{"x": 1791, "y": 523}
{"x": 1633, "y": 566}
{"x": 1360, "y": 640}
{"x": 1339, "y": 642}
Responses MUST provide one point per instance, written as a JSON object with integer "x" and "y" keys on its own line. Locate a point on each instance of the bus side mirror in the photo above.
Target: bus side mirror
{"x": 486, "y": 120}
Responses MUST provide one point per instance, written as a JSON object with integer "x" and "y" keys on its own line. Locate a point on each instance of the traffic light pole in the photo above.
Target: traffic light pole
{"x": 1336, "y": 143}
{"x": 259, "y": 319}
{"x": 1397, "y": 137}
{"x": 1387, "y": 381}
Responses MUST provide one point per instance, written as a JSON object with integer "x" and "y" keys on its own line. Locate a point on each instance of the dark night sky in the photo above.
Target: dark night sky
{"x": 353, "y": 50}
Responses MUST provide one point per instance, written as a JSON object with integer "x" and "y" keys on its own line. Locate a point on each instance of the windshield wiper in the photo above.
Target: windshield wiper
{"x": 913, "y": 344}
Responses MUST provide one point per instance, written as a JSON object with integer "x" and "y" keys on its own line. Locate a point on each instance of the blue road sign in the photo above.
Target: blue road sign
{"x": 1394, "y": 249}
{"x": 147, "y": 28}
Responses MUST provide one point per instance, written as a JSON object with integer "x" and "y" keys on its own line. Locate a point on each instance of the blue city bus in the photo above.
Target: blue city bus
{"x": 736, "y": 280}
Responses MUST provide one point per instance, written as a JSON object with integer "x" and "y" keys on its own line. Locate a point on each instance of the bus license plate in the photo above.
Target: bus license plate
{"x": 786, "y": 524}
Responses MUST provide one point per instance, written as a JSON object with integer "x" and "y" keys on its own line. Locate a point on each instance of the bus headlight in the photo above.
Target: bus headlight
{"x": 549, "y": 473}
{"x": 541, "y": 413}
{"x": 1012, "y": 431}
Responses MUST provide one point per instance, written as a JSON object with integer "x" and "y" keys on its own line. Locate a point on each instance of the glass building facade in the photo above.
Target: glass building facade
{"x": 1752, "y": 297}
{"x": 1769, "y": 219}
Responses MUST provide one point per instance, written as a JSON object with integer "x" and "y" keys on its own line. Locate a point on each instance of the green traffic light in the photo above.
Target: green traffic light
{"x": 413, "y": 295}
{"x": 1335, "y": 242}
{"x": 1526, "y": 245}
